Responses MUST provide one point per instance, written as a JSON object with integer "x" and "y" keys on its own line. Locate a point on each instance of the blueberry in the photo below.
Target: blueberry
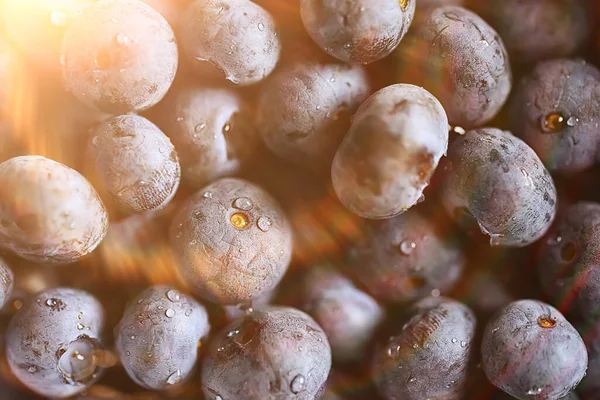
{"x": 590, "y": 385}
{"x": 52, "y": 343}
{"x": 158, "y": 337}
{"x": 212, "y": 129}
{"x": 234, "y": 38}
{"x": 37, "y": 27}
{"x": 536, "y": 30}
{"x": 569, "y": 263}
{"x": 305, "y": 110}
{"x": 531, "y": 351}
{"x": 348, "y": 315}
{"x": 48, "y": 212}
{"x": 361, "y": 31}
{"x": 396, "y": 140}
{"x": 461, "y": 60}
{"x": 498, "y": 180}
{"x": 231, "y": 241}
{"x": 279, "y": 353}
{"x": 556, "y": 110}
{"x": 119, "y": 56}
{"x": 134, "y": 163}
{"x": 430, "y": 356}
{"x": 6, "y": 283}
{"x": 403, "y": 259}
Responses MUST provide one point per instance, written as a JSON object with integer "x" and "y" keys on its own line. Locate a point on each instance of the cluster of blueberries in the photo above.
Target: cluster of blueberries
{"x": 274, "y": 156}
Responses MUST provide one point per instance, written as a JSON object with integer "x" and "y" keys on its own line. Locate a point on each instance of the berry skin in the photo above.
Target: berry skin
{"x": 7, "y": 281}
{"x": 498, "y": 180}
{"x": 213, "y": 130}
{"x": 362, "y": 31}
{"x": 158, "y": 337}
{"x": 402, "y": 259}
{"x": 134, "y": 164}
{"x": 538, "y": 30}
{"x": 52, "y": 343}
{"x": 231, "y": 241}
{"x": 48, "y": 212}
{"x": 348, "y": 315}
{"x": 279, "y": 353}
{"x": 119, "y": 56}
{"x": 461, "y": 60}
{"x": 232, "y": 39}
{"x": 305, "y": 110}
{"x": 556, "y": 110}
{"x": 430, "y": 356}
{"x": 531, "y": 351}
{"x": 569, "y": 263}
{"x": 384, "y": 163}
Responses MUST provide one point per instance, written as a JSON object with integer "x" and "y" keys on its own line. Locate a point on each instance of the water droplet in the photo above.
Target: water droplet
{"x": 243, "y": 203}
{"x": 264, "y": 223}
{"x": 220, "y": 349}
{"x": 32, "y": 370}
{"x": 554, "y": 240}
{"x": 170, "y": 313}
{"x": 233, "y": 333}
{"x": 495, "y": 329}
{"x": 318, "y": 107}
{"x": 179, "y": 119}
{"x": 261, "y": 27}
{"x": 239, "y": 220}
{"x": 188, "y": 313}
{"x": 58, "y": 18}
{"x": 459, "y": 130}
{"x": 454, "y": 340}
{"x": 435, "y": 293}
{"x": 528, "y": 180}
{"x": 412, "y": 380}
{"x": 128, "y": 353}
{"x": 173, "y": 295}
{"x": 174, "y": 378}
{"x": 51, "y": 302}
{"x": 207, "y": 195}
{"x": 132, "y": 337}
{"x": 421, "y": 199}
{"x": 553, "y": 123}
{"x": 572, "y": 121}
{"x": 77, "y": 363}
{"x": 227, "y": 127}
{"x": 463, "y": 344}
{"x": 332, "y": 79}
{"x": 298, "y": 384}
{"x": 114, "y": 20}
{"x": 534, "y": 391}
{"x": 407, "y": 247}
{"x": 415, "y": 346}
{"x": 200, "y": 127}
{"x": 80, "y": 327}
{"x": 122, "y": 39}
{"x": 546, "y": 321}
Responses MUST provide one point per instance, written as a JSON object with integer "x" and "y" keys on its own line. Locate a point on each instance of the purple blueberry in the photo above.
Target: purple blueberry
{"x": 500, "y": 182}
{"x": 531, "y": 351}
{"x": 386, "y": 160}
{"x": 233, "y": 39}
{"x": 305, "y": 110}
{"x": 231, "y": 242}
{"x": 119, "y": 56}
{"x": 158, "y": 337}
{"x": 430, "y": 356}
{"x": 52, "y": 343}
{"x": 461, "y": 60}
{"x": 556, "y": 110}
{"x": 360, "y": 31}
{"x": 403, "y": 259}
{"x": 48, "y": 212}
{"x": 278, "y": 353}
{"x": 348, "y": 315}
